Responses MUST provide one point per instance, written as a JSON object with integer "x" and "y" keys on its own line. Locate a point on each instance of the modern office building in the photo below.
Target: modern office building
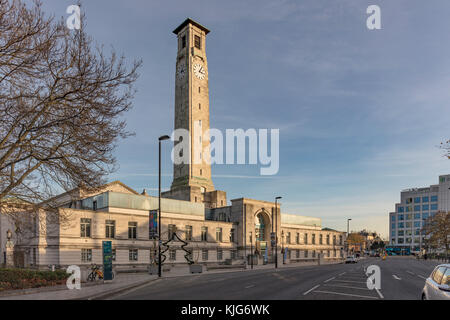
{"x": 416, "y": 205}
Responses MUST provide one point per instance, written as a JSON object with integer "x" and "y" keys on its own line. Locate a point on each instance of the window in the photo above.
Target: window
{"x": 328, "y": 239}
{"x": 204, "y": 233}
{"x": 201, "y": 169}
{"x": 197, "y": 42}
{"x": 219, "y": 234}
{"x": 313, "y": 238}
{"x": 133, "y": 254}
{"x": 232, "y": 235}
{"x": 297, "y": 254}
{"x": 334, "y": 240}
{"x": 393, "y": 226}
{"x": 85, "y": 226}
{"x": 417, "y": 200}
{"x": 408, "y": 200}
{"x": 306, "y": 253}
{"x": 401, "y": 225}
{"x": 340, "y": 240}
{"x": 172, "y": 229}
{"x": 288, "y": 238}
{"x": 113, "y": 254}
{"x": 219, "y": 254}
{"x": 233, "y": 254}
{"x": 416, "y": 208}
{"x": 401, "y": 233}
{"x": 408, "y": 216}
{"x": 205, "y": 254}
{"x": 401, "y": 209}
{"x": 417, "y": 216}
{"x": 424, "y": 199}
{"x": 401, "y": 217}
{"x": 86, "y": 255}
{"x": 110, "y": 229}
{"x": 132, "y": 230}
{"x": 320, "y": 239}
{"x": 297, "y": 238}
{"x": 424, "y": 215}
{"x": 392, "y": 218}
{"x": 434, "y": 198}
{"x": 434, "y": 206}
{"x": 446, "y": 277}
{"x": 438, "y": 274}
{"x": 188, "y": 233}
{"x": 425, "y": 207}
{"x": 199, "y": 106}
{"x": 314, "y": 253}
{"x": 183, "y": 42}
{"x": 306, "y": 238}
{"x": 172, "y": 254}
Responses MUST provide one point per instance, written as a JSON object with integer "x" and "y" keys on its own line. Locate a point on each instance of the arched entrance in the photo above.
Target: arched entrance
{"x": 262, "y": 234}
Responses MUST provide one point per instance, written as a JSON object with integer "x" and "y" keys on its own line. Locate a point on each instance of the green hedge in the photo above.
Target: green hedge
{"x": 24, "y": 278}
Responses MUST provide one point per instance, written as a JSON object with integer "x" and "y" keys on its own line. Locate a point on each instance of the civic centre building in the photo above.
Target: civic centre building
{"x": 216, "y": 230}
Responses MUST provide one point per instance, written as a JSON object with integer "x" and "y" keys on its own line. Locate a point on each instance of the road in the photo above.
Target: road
{"x": 401, "y": 278}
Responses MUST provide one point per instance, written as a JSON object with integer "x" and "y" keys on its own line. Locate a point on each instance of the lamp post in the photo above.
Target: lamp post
{"x": 348, "y": 232}
{"x": 276, "y": 231}
{"x": 251, "y": 249}
{"x": 159, "y": 204}
{"x": 282, "y": 242}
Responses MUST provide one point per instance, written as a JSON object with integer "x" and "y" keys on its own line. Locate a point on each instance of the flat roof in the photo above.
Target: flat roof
{"x": 187, "y": 21}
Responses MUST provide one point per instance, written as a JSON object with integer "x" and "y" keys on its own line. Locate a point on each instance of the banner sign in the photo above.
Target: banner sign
{"x": 107, "y": 260}
{"x": 153, "y": 224}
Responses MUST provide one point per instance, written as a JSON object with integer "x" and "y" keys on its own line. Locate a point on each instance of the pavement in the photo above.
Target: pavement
{"x": 402, "y": 278}
{"x": 125, "y": 282}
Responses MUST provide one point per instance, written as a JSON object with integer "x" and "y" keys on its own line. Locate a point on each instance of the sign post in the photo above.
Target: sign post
{"x": 107, "y": 261}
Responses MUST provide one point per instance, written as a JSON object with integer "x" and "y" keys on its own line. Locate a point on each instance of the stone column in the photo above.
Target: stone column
{"x": 9, "y": 254}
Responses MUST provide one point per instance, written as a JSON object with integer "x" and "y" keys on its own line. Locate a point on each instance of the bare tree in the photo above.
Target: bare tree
{"x": 61, "y": 102}
{"x": 446, "y": 147}
{"x": 437, "y": 230}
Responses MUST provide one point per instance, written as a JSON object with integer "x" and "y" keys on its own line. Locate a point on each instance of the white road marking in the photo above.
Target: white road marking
{"x": 379, "y": 293}
{"x": 350, "y": 281}
{"x": 410, "y": 272}
{"x": 348, "y": 287}
{"x": 250, "y": 286}
{"x": 422, "y": 277}
{"x": 396, "y": 278}
{"x": 313, "y": 288}
{"x": 341, "y": 274}
{"x": 330, "y": 279}
{"x": 347, "y": 294}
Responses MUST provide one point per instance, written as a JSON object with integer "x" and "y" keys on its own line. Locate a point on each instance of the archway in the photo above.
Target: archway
{"x": 262, "y": 232}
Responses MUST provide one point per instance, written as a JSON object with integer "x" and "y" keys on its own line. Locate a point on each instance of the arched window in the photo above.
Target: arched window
{"x": 260, "y": 228}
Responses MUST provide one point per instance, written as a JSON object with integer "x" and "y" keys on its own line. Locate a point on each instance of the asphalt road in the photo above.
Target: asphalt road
{"x": 401, "y": 278}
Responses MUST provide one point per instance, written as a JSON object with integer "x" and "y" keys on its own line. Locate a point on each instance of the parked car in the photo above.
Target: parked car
{"x": 437, "y": 285}
{"x": 351, "y": 259}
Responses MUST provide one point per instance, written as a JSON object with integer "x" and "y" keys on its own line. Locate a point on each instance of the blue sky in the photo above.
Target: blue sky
{"x": 360, "y": 112}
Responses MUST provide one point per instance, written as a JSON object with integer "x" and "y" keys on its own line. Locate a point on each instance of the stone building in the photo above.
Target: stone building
{"x": 215, "y": 230}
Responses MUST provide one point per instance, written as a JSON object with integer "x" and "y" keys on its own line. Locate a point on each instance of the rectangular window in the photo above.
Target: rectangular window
{"x": 434, "y": 198}
{"x": 110, "y": 229}
{"x": 219, "y": 254}
{"x": 85, "y": 226}
{"x": 197, "y": 42}
{"x": 314, "y": 253}
{"x": 132, "y": 230}
{"x": 340, "y": 240}
{"x": 306, "y": 253}
{"x": 320, "y": 239}
{"x": 297, "y": 238}
{"x": 232, "y": 235}
{"x": 172, "y": 254}
{"x": 417, "y": 216}
{"x": 416, "y": 208}
{"x": 434, "y": 206}
{"x": 401, "y": 233}
{"x": 188, "y": 233}
{"x": 204, "y": 233}
{"x": 425, "y": 207}
{"x": 133, "y": 254}
{"x": 401, "y": 225}
{"x": 172, "y": 229}
{"x": 425, "y": 215}
{"x": 205, "y": 254}
{"x": 183, "y": 42}
{"x": 417, "y": 200}
{"x": 401, "y": 209}
{"x": 86, "y": 255}
{"x": 219, "y": 234}
{"x": 424, "y": 199}
{"x": 328, "y": 239}
{"x": 297, "y": 254}
{"x": 233, "y": 254}
{"x": 288, "y": 238}
{"x": 334, "y": 240}
{"x": 313, "y": 238}
{"x": 401, "y": 217}
{"x": 306, "y": 238}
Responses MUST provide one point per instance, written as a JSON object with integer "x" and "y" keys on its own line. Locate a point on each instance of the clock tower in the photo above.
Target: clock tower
{"x": 192, "y": 177}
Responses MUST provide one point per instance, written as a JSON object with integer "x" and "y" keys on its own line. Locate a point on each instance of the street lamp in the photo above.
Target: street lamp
{"x": 348, "y": 230}
{"x": 162, "y": 138}
{"x": 251, "y": 249}
{"x": 276, "y": 231}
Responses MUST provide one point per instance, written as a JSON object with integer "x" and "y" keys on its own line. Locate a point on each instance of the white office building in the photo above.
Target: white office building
{"x": 417, "y": 204}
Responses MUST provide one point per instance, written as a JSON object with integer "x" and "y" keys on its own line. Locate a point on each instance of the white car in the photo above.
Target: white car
{"x": 437, "y": 285}
{"x": 351, "y": 259}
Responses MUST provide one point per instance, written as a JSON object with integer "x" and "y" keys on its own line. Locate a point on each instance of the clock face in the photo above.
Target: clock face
{"x": 199, "y": 71}
{"x": 181, "y": 71}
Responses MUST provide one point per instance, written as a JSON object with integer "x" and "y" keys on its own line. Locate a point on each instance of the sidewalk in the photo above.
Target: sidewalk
{"x": 124, "y": 282}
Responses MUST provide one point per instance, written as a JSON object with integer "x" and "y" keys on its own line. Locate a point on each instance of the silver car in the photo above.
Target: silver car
{"x": 437, "y": 285}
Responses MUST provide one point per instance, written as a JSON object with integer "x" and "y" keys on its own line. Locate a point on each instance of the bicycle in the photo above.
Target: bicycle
{"x": 96, "y": 272}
